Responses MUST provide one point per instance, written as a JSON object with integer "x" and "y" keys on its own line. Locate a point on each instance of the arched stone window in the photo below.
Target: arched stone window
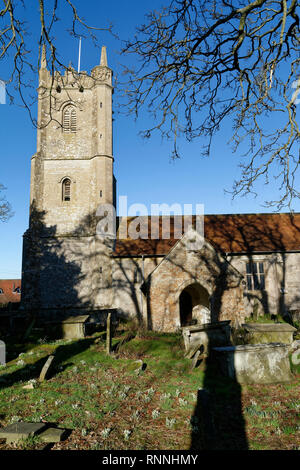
{"x": 66, "y": 189}
{"x": 69, "y": 120}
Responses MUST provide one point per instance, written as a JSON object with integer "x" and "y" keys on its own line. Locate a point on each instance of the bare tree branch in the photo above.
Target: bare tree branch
{"x": 23, "y": 62}
{"x": 5, "y": 208}
{"x": 204, "y": 62}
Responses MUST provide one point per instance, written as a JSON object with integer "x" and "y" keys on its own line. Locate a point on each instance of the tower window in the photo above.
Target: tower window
{"x": 255, "y": 276}
{"x": 66, "y": 190}
{"x": 69, "y": 119}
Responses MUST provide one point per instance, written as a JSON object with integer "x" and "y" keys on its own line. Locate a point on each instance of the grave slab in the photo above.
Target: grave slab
{"x": 18, "y": 431}
{"x": 53, "y": 435}
{"x": 260, "y": 333}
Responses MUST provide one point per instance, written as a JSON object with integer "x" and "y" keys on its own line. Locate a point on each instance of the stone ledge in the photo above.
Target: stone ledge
{"x": 268, "y": 327}
{"x": 18, "y": 431}
{"x": 205, "y": 326}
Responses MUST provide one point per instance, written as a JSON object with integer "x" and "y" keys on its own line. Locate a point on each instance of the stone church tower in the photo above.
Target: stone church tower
{"x": 71, "y": 174}
{"x": 72, "y": 171}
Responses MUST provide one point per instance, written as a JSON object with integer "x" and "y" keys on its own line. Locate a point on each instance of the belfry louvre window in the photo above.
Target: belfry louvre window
{"x": 66, "y": 190}
{"x": 69, "y": 119}
{"x": 255, "y": 276}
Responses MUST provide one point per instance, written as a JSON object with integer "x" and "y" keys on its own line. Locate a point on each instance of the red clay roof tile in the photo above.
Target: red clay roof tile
{"x": 229, "y": 233}
{"x": 8, "y": 287}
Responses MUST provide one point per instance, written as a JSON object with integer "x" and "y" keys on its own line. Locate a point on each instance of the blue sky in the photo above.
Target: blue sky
{"x": 143, "y": 169}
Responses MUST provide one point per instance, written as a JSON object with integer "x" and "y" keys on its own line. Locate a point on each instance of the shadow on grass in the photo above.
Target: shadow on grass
{"x": 61, "y": 354}
{"x": 217, "y": 421}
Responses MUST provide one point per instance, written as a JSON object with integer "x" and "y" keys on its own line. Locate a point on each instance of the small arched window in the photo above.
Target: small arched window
{"x": 69, "y": 120}
{"x": 66, "y": 190}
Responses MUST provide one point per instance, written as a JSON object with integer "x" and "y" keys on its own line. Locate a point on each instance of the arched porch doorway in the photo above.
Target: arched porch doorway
{"x": 194, "y": 304}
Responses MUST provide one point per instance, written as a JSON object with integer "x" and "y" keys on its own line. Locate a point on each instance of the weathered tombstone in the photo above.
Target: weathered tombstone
{"x": 2, "y": 353}
{"x": 45, "y": 368}
{"x": 18, "y": 431}
{"x": 195, "y": 359}
{"x": 53, "y": 435}
{"x": 108, "y": 334}
{"x": 208, "y": 335}
{"x": 255, "y": 363}
{"x": 74, "y": 327}
{"x": 261, "y": 333}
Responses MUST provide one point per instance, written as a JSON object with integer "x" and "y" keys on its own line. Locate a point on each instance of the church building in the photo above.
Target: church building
{"x": 247, "y": 263}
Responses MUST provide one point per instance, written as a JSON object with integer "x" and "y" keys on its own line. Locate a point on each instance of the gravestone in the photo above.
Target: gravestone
{"x": 2, "y": 353}
{"x": 45, "y": 368}
{"x": 255, "y": 363}
{"x": 260, "y": 333}
{"x": 18, "y": 431}
{"x": 53, "y": 435}
{"x": 207, "y": 334}
{"x": 74, "y": 327}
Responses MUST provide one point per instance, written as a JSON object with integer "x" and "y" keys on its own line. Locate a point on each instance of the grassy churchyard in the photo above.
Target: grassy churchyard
{"x": 145, "y": 396}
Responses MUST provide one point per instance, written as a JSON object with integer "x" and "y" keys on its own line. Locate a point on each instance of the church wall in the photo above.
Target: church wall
{"x": 65, "y": 273}
{"x": 127, "y": 279}
{"x": 282, "y": 281}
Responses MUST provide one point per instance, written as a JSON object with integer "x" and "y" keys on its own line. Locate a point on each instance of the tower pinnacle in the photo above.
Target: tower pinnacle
{"x": 43, "y": 58}
{"x": 103, "y": 60}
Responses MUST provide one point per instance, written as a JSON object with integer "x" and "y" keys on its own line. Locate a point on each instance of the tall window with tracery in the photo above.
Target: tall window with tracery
{"x": 69, "y": 120}
{"x": 66, "y": 190}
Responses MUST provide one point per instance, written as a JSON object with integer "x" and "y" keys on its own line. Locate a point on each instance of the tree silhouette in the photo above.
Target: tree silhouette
{"x": 200, "y": 63}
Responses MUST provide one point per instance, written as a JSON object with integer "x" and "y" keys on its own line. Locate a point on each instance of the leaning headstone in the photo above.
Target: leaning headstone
{"x": 2, "y": 353}
{"x": 18, "y": 431}
{"x": 45, "y": 369}
{"x": 195, "y": 359}
{"x": 193, "y": 349}
{"x": 108, "y": 334}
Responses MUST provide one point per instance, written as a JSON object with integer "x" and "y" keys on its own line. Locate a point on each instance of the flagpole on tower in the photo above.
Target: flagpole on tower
{"x": 79, "y": 54}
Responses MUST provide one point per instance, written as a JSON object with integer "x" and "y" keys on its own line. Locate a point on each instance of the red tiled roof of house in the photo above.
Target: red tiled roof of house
{"x": 8, "y": 287}
{"x": 229, "y": 233}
